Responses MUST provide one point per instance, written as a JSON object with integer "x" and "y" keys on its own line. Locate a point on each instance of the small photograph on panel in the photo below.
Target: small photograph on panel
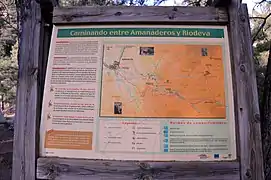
{"x": 117, "y": 108}
{"x": 204, "y": 52}
{"x": 146, "y": 51}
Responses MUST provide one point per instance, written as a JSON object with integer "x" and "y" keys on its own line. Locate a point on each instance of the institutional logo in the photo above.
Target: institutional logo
{"x": 203, "y": 156}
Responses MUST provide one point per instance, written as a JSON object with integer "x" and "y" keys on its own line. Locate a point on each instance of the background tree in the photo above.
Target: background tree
{"x": 8, "y": 59}
{"x": 261, "y": 39}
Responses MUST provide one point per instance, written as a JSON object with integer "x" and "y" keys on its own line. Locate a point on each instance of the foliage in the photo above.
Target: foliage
{"x": 8, "y": 76}
{"x": 197, "y": 2}
{"x": 8, "y": 51}
{"x": 261, "y": 30}
{"x": 110, "y": 2}
{"x": 261, "y": 37}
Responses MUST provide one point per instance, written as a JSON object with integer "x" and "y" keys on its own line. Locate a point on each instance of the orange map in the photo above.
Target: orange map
{"x": 163, "y": 80}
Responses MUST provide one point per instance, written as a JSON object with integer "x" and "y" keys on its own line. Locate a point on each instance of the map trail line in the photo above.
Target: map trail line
{"x": 145, "y": 80}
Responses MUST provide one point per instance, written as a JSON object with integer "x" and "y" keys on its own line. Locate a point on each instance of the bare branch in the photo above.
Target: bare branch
{"x": 193, "y": 3}
{"x": 157, "y": 3}
{"x": 260, "y": 28}
{"x": 261, "y": 2}
{"x": 14, "y": 28}
{"x": 257, "y": 4}
{"x": 256, "y": 18}
{"x": 8, "y": 15}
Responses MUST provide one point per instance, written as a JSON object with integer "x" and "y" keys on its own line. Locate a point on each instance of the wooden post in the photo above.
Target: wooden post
{"x": 28, "y": 92}
{"x": 247, "y": 107}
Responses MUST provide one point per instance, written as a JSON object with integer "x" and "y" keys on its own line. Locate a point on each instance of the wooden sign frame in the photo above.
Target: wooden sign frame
{"x": 27, "y": 165}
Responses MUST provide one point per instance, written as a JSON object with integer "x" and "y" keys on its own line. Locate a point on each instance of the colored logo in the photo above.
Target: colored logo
{"x": 216, "y": 156}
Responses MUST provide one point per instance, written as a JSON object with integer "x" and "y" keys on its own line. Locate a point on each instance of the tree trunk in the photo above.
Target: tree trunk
{"x": 3, "y": 102}
{"x": 266, "y": 119}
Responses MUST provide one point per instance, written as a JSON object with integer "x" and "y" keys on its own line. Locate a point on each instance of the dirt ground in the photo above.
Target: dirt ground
{"x": 6, "y": 143}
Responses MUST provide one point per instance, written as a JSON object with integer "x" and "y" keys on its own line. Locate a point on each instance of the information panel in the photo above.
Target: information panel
{"x": 139, "y": 93}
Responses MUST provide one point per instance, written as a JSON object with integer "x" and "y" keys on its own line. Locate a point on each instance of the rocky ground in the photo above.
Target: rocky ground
{"x": 6, "y": 143}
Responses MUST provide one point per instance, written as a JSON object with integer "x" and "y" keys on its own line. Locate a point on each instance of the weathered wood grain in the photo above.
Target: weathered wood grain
{"x": 246, "y": 97}
{"x": 24, "y": 149}
{"x": 71, "y": 169}
{"x": 166, "y": 15}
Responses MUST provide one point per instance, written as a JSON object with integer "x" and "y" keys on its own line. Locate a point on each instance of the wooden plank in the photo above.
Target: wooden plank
{"x": 255, "y": 149}
{"x": 250, "y": 150}
{"x": 71, "y": 169}
{"x": 45, "y": 38}
{"x": 24, "y": 156}
{"x": 153, "y": 14}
